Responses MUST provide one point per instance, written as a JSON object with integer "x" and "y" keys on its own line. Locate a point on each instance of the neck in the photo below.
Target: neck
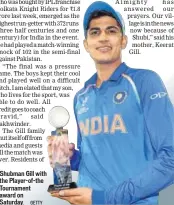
{"x": 104, "y": 71}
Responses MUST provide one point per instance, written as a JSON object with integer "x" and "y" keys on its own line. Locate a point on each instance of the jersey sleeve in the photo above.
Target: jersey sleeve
{"x": 75, "y": 159}
{"x": 159, "y": 123}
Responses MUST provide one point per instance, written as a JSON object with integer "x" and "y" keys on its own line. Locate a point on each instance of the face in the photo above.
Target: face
{"x": 105, "y": 41}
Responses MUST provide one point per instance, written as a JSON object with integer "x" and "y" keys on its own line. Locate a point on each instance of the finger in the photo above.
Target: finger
{"x": 71, "y": 146}
{"x": 69, "y": 192}
{"x": 55, "y": 194}
{"x": 71, "y": 154}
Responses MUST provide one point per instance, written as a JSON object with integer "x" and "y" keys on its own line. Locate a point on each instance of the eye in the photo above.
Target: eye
{"x": 94, "y": 32}
{"x": 114, "y": 30}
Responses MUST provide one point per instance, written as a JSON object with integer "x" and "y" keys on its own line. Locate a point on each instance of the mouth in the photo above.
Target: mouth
{"x": 104, "y": 48}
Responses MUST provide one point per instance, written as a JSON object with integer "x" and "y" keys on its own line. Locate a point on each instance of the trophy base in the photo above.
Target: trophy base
{"x": 54, "y": 187}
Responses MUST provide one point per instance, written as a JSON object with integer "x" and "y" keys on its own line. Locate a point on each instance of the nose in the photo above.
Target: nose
{"x": 103, "y": 36}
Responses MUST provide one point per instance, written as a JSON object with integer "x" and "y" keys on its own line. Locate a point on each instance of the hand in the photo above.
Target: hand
{"x": 77, "y": 196}
{"x": 59, "y": 150}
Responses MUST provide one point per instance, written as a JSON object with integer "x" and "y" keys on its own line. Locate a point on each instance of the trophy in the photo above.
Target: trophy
{"x": 58, "y": 118}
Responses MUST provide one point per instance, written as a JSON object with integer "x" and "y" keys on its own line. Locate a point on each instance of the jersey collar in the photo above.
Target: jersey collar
{"x": 116, "y": 74}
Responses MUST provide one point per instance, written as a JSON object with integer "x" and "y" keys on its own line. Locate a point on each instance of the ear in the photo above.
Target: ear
{"x": 85, "y": 43}
{"x": 124, "y": 42}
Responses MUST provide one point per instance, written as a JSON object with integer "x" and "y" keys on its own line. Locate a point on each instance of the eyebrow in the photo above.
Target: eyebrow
{"x": 97, "y": 28}
{"x": 112, "y": 27}
{"x": 94, "y": 28}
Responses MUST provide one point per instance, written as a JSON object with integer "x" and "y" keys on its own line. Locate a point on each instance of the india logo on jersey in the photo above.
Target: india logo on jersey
{"x": 97, "y": 125}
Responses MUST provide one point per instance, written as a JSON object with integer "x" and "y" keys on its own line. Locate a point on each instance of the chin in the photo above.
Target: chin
{"x": 103, "y": 61}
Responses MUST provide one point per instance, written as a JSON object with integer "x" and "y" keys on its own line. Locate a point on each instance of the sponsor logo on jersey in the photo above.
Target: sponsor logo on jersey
{"x": 158, "y": 95}
{"x": 97, "y": 125}
{"x": 119, "y": 97}
{"x": 83, "y": 107}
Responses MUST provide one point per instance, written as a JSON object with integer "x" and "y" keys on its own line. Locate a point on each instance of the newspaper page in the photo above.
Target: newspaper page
{"x": 43, "y": 64}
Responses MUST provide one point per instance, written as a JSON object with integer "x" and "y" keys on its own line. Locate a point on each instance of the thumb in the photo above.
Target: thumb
{"x": 71, "y": 146}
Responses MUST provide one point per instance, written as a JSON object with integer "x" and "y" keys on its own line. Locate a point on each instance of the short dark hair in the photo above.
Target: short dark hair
{"x": 98, "y": 14}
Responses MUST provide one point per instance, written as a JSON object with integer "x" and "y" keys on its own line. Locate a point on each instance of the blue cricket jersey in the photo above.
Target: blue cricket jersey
{"x": 125, "y": 137}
